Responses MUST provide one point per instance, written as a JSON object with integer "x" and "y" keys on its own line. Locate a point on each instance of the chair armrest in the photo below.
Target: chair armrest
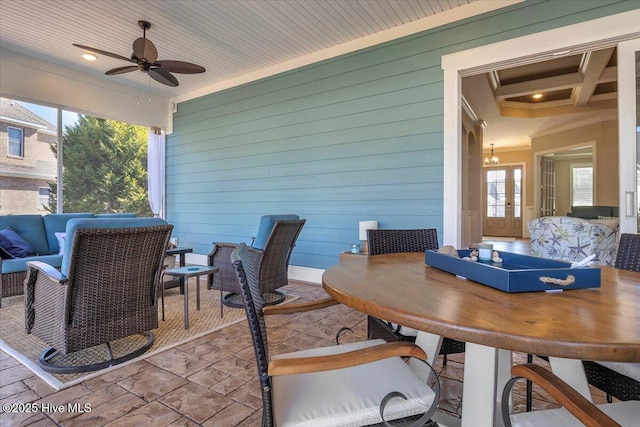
{"x": 300, "y": 307}
{"x": 304, "y": 365}
{"x": 47, "y": 269}
{"x": 585, "y": 411}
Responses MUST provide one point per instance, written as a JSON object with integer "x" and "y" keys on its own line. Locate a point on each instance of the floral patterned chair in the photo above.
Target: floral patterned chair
{"x": 573, "y": 239}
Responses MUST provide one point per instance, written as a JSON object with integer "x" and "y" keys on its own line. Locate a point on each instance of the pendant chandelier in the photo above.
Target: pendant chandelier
{"x": 493, "y": 160}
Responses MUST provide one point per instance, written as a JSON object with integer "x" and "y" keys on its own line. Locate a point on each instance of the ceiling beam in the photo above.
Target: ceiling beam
{"x": 593, "y": 65}
{"x": 565, "y": 81}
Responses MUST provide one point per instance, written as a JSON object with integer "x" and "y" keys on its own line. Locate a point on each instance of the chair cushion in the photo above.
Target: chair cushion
{"x": 625, "y": 413}
{"x": 20, "y": 264}
{"x": 347, "y": 397}
{"x": 13, "y": 243}
{"x": 56, "y": 223}
{"x": 266, "y": 225}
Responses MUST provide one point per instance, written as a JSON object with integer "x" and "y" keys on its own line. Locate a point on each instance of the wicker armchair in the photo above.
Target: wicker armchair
{"x": 398, "y": 241}
{"x": 575, "y": 407}
{"x": 349, "y": 384}
{"x": 619, "y": 380}
{"x": 105, "y": 290}
{"x": 272, "y": 257}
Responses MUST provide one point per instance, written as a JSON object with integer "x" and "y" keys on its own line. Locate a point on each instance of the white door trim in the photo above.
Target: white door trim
{"x": 597, "y": 33}
{"x": 627, "y": 93}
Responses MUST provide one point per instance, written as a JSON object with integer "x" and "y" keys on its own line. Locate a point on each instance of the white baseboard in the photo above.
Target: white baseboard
{"x": 303, "y": 274}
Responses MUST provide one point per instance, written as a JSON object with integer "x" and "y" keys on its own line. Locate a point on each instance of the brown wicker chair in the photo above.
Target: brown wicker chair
{"x": 608, "y": 380}
{"x": 106, "y": 290}
{"x": 272, "y": 261}
{"x": 398, "y": 241}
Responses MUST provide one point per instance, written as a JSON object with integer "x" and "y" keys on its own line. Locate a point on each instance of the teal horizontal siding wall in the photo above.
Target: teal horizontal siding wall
{"x": 359, "y": 137}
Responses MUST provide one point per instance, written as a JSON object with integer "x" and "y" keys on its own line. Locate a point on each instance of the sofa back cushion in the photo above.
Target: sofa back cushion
{"x": 30, "y": 228}
{"x": 117, "y": 215}
{"x": 57, "y": 223}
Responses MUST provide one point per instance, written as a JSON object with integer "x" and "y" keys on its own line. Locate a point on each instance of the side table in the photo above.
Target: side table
{"x": 184, "y": 273}
{"x": 182, "y": 252}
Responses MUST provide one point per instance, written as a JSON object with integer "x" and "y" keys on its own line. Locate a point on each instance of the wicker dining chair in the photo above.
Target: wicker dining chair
{"x": 105, "y": 290}
{"x": 576, "y": 409}
{"x": 361, "y": 383}
{"x": 399, "y": 241}
{"x": 619, "y": 380}
{"x": 273, "y": 260}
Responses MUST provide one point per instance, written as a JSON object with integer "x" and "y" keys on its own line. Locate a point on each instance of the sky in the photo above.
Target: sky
{"x": 51, "y": 114}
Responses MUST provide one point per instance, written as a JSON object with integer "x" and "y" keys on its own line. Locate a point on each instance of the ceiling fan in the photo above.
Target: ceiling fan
{"x": 145, "y": 56}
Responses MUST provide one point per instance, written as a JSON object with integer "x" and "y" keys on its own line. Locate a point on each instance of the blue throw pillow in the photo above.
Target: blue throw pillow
{"x": 15, "y": 245}
{"x": 4, "y": 254}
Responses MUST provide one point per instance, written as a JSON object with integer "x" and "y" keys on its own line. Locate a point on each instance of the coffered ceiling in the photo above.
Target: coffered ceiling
{"x": 524, "y": 101}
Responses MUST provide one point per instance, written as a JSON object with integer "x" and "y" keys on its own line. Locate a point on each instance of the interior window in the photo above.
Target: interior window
{"x": 581, "y": 185}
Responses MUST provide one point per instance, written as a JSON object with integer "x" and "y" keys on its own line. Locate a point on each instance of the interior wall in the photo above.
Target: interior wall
{"x": 35, "y": 80}
{"x": 604, "y": 136}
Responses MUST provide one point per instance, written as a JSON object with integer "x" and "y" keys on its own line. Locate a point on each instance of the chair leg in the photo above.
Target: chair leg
{"x": 529, "y": 392}
{"x": 444, "y": 360}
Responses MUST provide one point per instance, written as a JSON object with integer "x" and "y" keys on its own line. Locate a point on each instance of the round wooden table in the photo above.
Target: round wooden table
{"x": 593, "y": 324}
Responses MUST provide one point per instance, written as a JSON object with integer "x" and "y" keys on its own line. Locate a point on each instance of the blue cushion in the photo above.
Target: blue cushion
{"x": 117, "y": 215}
{"x": 13, "y": 243}
{"x": 4, "y": 254}
{"x": 20, "y": 264}
{"x": 30, "y": 228}
{"x": 266, "y": 225}
{"x": 83, "y": 223}
{"x": 56, "y": 223}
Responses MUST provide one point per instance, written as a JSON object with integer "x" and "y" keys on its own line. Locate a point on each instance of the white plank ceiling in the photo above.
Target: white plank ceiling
{"x": 230, "y": 38}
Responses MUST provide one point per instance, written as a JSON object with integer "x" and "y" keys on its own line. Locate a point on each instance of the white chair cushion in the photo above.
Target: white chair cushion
{"x": 405, "y": 330}
{"x": 631, "y": 370}
{"x": 625, "y": 413}
{"x": 350, "y": 396}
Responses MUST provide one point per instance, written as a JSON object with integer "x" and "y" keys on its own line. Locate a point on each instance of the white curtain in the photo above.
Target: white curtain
{"x": 156, "y": 171}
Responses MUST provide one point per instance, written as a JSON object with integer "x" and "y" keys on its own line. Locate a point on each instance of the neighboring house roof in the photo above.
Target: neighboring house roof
{"x": 12, "y": 112}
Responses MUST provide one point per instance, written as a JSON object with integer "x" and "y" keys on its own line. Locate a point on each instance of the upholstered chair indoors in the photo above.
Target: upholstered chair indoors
{"x": 573, "y": 239}
{"x": 105, "y": 290}
{"x": 352, "y": 384}
{"x": 274, "y": 241}
{"x": 399, "y": 241}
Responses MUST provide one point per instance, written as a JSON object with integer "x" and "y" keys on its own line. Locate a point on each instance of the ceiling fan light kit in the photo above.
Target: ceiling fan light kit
{"x": 145, "y": 56}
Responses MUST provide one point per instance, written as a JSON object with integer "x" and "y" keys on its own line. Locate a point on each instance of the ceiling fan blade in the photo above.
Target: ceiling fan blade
{"x": 145, "y": 49}
{"x": 104, "y": 52}
{"x": 163, "y": 76}
{"x": 122, "y": 70}
{"x": 180, "y": 67}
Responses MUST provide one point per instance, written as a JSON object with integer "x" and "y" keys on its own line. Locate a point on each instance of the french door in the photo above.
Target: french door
{"x": 502, "y": 195}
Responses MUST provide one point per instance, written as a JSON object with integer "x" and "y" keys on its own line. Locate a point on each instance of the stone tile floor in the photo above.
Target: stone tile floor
{"x": 210, "y": 381}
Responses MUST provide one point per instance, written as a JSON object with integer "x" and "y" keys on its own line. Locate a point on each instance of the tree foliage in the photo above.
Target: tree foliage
{"x": 104, "y": 167}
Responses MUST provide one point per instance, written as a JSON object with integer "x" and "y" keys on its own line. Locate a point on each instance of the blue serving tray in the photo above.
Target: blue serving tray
{"x": 516, "y": 273}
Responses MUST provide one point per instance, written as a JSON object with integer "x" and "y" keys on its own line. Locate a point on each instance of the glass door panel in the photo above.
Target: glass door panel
{"x": 502, "y": 201}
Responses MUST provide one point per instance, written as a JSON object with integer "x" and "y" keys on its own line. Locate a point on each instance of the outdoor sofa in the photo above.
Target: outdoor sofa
{"x": 39, "y": 231}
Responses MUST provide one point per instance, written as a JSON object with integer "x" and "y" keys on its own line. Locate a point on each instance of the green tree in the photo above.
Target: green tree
{"x": 104, "y": 167}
